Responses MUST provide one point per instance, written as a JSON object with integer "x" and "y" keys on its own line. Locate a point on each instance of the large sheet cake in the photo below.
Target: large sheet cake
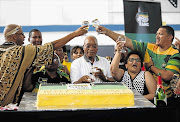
{"x": 81, "y": 96}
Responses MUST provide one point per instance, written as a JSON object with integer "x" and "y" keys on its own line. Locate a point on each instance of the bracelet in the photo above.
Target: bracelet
{"x": 149, "y": 69}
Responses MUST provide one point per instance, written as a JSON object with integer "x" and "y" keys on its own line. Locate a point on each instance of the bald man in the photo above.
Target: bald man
{"x": 15, "y": 59}
{"x": 90, "y": 67}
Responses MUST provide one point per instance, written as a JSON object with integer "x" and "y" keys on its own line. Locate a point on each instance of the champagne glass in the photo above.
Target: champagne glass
{"x": 122, "y": 39}
{"x": 94, "y": 70}
{"x": 85, "y": 23}
{"x": 95, "y": 23}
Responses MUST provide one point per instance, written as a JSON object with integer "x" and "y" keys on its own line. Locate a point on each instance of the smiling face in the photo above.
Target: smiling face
{"x": 133, "y": 64}
{"x": 35, "y": 38}
{"x": 90, "y": 47}
{"x": 163, "y": 38}
{"x": 77, "y": 54}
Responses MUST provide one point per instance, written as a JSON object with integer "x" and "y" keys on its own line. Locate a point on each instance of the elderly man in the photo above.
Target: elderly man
{"x": 160, "y": 57}
{"x": 15, "y": 59}
{"x": 90, "y": 67}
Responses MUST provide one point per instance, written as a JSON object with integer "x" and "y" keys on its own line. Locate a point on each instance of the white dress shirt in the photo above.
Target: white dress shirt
{"x": 83, "y": 66}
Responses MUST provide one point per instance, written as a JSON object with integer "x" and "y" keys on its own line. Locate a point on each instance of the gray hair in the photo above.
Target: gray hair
{"x": 92, "y": 37}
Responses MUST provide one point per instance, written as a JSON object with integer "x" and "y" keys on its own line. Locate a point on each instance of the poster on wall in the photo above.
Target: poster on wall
{"x": 142, "y": 20}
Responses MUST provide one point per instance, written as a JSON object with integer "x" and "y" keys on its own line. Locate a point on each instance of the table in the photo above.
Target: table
{"x": 28, "y": 103}
{"x": 143, "y": 110}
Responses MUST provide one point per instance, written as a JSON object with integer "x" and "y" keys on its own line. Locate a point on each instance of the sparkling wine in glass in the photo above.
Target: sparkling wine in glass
{"x": 122, "y": 39}
{"x": 85, "y": 23}
{"x": 95, "y": 23}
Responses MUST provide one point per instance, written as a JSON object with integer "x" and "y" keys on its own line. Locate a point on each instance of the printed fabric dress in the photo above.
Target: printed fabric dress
{"x": 138, "y": 83}
{"x": 14, "y": 60}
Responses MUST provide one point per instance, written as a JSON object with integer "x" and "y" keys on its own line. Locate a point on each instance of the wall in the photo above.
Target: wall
{"x": 38, "y": 13}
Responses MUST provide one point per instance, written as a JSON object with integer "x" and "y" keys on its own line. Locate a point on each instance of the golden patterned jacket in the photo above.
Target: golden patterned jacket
{"x": 14, "y": 60}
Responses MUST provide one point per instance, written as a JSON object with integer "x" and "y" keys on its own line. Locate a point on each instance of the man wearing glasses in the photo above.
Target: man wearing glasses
{"x": 15, "y": 59}
{"x": 50, "y": 73}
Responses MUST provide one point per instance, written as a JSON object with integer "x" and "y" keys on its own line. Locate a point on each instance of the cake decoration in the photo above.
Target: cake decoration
{"x": 80, "y": 96}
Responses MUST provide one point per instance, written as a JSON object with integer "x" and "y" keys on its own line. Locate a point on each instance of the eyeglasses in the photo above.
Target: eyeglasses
{"x": 20, "y": 33}
{"x": 132, "y": 59}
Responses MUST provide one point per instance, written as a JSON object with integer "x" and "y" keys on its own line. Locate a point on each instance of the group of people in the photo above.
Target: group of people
{"x": 22, "y": 68}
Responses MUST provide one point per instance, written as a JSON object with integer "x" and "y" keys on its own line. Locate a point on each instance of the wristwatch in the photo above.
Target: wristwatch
{"x": 149, "y": 69}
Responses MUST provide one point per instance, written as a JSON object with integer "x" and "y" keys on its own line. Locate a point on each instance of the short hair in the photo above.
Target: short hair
{"x": 33, "y": 30}
{"x": 75, "y": 48}
{"x": 64, "y": 48}
{"x": 169, "y": 30}
{"x": 136, "y": 53}
{"x": 92, "y": 37}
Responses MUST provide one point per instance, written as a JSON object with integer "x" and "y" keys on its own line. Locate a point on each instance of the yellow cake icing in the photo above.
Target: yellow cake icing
{"x": 98, "y": 96}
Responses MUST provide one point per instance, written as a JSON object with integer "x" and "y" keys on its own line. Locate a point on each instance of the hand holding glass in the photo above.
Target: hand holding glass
{"x": 95, "y": 23}
{"x": 94, "y": 71}
{"x": 122, "y": 39}
{"x": 85, "y": 23}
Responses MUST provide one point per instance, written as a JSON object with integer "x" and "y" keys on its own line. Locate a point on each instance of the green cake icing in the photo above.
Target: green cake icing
{"x": 93, "y": 86}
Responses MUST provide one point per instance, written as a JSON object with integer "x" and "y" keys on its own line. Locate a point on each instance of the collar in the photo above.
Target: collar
{"x": 9, "y": 43}
{"x": 167, "y": 52}
{"x": 7, "y": 46}
{"x": 96, "y": 58}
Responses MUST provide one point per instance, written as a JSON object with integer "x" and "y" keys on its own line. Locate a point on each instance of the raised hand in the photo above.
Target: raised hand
{"x": 81, "y": 31}
{"x": 102, "y": 30}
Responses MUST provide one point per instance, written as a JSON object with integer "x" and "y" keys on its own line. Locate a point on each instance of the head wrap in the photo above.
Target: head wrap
{"x": 13, "y": 31}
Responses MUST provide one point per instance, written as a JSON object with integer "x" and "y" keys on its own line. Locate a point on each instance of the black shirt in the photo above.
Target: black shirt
{"x": 45, "y": 78}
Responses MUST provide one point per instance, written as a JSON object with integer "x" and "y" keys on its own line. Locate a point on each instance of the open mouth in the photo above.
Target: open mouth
{"x": 134, "y": 65}
{"x": 157, "y": 40}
